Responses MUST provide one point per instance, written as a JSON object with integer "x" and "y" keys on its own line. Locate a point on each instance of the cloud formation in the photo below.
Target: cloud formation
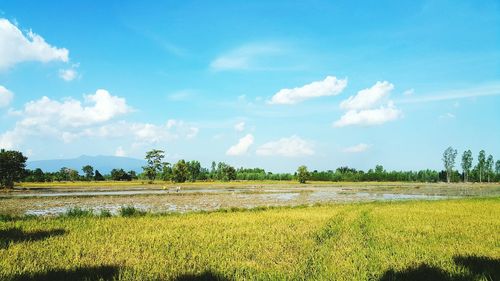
{"x": 240, "y": 126}
{"x": 362, "y": 147}
{"x": 241, "y": 147}
{"x": 369, "y": 107}
{"x": 245, "y": 57}
{"x": 17, "y": 47}
{"x": 368, "y": 98}
{"x": 68, "y": 74}
{"x": 330, "y": 86}
{"x": 292, "y": 146}
{"x": 6, "y": 96}
{"x": 69, "y": 120}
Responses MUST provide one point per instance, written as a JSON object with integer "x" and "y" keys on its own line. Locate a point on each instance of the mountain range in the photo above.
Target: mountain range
{"x": 102, "y": 163}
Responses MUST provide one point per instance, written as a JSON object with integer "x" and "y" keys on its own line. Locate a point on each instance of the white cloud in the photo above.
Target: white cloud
{"x": 488, "y": 89}
{"x": 409, "y": 92}
{"x": 368, "y": 98}
{"x": 369, "y": 117}
{"x": 330, "y": 86}
{"x": 182, "y": 95}
{"x": 120, "y": 152}
{"x": 447, "y": 116}
{"x": 6, "y": 96}
{"x": 367, "y": 109}
{"x": 241, "y": 147}
{"x": 17, "y": 47}
{"x": 362, "y": 147}
{"x": 8, "y": 139}
{"x": 246, "y": 57}
{"x": 68, "y": 74}
{"x": 240, "y": 126}
{"x": 70, "y": 120}
{"x": 293, "y": 146}
{"x": 99, "y": 107}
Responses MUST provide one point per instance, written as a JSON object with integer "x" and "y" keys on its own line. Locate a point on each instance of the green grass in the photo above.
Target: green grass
{"x": 414, "y": 240}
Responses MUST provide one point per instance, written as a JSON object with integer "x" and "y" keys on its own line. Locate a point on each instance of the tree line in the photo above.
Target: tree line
{"x": 13, "y": 169}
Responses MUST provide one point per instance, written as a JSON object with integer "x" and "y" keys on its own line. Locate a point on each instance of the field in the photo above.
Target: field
{"x": 410, "y": 240}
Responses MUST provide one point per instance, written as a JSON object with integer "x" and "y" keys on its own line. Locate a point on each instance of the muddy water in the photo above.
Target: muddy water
{"x": 53, "y": 202}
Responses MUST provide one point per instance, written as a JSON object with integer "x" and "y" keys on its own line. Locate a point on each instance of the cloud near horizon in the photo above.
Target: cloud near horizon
{"x": 293, "y": 146}
{"x": 70, "y": 119}
{"x": 241, "y": 147}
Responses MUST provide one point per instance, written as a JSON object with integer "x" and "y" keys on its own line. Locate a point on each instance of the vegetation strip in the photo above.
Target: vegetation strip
{"x": 365, "y": 241}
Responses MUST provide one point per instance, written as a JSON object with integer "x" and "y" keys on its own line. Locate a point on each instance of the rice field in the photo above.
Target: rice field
{"x": 411, "y": 240}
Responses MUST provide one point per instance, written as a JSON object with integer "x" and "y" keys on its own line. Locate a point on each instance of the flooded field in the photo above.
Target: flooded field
{"x": 56, "y": 200}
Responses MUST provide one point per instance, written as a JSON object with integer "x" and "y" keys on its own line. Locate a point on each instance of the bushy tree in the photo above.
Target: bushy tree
{"x": 180, "y": 171}
{"x": 88, "y": 172}
{"x": 98, "y": 176}
{"x": 120, "y": 175}
{"x": 302, "y": 174}
{"x": 12, "y": 167}
{"x": 466, "y": 164}
{"x": 154, "y": 163}
{"x": 449, "y": 157}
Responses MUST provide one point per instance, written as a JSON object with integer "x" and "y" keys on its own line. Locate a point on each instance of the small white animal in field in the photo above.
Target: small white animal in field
{"x": 178, "y": 188}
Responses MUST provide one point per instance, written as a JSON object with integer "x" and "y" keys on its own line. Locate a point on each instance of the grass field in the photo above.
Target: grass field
{"x": 414, "y": 240}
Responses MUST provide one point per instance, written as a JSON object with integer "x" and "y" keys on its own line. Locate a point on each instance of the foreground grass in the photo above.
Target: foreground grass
{"x": 425, "y": 240}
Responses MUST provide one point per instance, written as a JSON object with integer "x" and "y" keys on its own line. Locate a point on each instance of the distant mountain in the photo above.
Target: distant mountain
{"x": 102, "y": 163}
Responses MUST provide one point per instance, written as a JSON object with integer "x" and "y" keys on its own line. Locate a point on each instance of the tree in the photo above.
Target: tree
{"x": 180, "y": 171}
{"x": 38, "y": 175}
{"x": 481, "y": 163}
{"x": 154, "y": 163}
{"x": 497, "y": 168}
{"x": 302, "y": 174}
{"x": 73, "y": 175}
{"x": 132, "y": 174}
{"x": 120, "y": 175}
{"x": 194, "y": 168}
{"x": 166, "y": 173}
{"x": 98, "y": 176}
{"x": 466, "y": 164}
{"x": 88, "y": 172}
{"x": 12, "y": 167}
{"x": 489, "y": 167}
{"x": 449, "y": 157}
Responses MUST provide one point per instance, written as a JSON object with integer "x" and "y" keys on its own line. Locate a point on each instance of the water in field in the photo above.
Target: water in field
{"x": 53, "y": 201}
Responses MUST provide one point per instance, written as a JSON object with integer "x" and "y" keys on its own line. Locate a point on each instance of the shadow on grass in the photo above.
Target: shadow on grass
{"x": 78, "y": 274}
{"x": 16, "y": 235}
{"x": 477, "y": 267}
{"x": 204, "y": 276}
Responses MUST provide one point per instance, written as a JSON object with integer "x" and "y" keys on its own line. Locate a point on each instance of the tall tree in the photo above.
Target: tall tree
{"x": 302, "y": 174}
{"x": 88, "y": 172}
{"x": 449, "y": 157}
{"x": 489, "y": 167}
{"x": 481, "y": 163}
{"x": 154, "y": 163}
{"x": 12, "y": 167}
{"x": 467, "y": 164}
{"x": 497, "y": 168}
{"x": 194, "y": 168}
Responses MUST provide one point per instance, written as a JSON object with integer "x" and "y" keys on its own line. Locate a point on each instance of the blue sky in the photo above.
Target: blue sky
{"x": 273, "y": 84}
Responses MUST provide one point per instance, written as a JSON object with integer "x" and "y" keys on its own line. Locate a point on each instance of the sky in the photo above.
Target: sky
{"x": 272, "y": 84}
